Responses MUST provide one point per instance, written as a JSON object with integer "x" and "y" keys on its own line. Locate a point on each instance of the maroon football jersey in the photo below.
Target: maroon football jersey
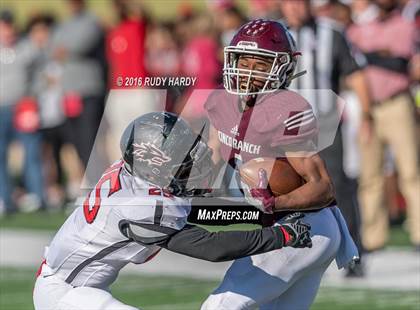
{"x": 278, "y": 122}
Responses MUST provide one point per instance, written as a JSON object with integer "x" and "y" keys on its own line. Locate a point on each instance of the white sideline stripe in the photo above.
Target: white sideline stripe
{"x": 177, "y": 306}
{"x": 404, "y": 275}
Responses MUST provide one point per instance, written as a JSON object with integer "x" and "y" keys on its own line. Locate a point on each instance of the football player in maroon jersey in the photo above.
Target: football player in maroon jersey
{"x": 256, "y": 116}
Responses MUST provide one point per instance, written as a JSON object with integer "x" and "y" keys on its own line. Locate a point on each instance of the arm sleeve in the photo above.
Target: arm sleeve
{"x": 225, "y": 245}
{"x": 344, "y": 55}
{"x": 397, "y": 64}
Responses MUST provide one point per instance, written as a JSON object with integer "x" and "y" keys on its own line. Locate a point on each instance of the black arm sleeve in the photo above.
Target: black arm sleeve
{"x": 397, "y": 64}
{"x": 344, "y": 55}
{"x": 223, "y": 246}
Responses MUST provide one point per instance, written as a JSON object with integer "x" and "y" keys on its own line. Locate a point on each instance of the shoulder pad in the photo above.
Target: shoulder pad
{"x": 218, "y": 98}
{"x": 276, "y": 111}
{"x": 286, "y": 117}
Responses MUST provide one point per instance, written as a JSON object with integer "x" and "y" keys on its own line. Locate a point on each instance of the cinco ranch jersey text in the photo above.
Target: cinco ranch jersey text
{"x": 238, "y": 144}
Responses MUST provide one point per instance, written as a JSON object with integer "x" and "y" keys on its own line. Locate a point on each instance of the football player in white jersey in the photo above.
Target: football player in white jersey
{"x": 139, "y": 206}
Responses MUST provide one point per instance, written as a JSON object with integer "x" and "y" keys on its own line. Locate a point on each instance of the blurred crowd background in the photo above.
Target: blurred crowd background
{"x": 58, "y": 64}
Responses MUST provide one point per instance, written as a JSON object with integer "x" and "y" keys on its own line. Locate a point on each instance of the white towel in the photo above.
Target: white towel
{"x": 347, "y": 252}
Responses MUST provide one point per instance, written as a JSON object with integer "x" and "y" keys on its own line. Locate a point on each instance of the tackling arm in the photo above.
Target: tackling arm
{"x": 221, "y": 246}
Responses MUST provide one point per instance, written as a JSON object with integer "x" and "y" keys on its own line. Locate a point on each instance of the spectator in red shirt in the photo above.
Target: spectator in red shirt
{"x": 125, "y": 46}
{"x": 200, "y": 60}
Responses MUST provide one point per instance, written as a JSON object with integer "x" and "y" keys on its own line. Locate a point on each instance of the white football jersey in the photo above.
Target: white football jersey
{"x": 89, "y": 249}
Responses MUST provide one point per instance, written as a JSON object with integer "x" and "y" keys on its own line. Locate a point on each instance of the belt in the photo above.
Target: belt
{"x": 388, "y": 100}
{"x": 270, "y": 219}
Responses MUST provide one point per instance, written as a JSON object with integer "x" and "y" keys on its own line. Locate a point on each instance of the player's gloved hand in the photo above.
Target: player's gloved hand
{"x": 295, "y": 232}
{"x": 263, "y": 198}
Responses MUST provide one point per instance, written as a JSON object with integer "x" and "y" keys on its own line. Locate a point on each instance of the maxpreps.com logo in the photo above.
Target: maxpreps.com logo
{"x": 150, "y": 153}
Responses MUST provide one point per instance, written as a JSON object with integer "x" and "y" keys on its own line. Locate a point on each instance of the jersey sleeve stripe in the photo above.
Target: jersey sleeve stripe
{"x": 297, "y": 121}
{"x": 297, "y": 116}
{"x": 158, "y": 212}
{"x": 301, "y": 124}
{"x": 101, "y": 254}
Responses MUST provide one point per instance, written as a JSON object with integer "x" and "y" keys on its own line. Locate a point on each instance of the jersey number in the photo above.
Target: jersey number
{"x": 111, "y": 175}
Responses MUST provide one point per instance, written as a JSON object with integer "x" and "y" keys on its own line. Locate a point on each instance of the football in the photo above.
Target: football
{"x": 282, "y": 178}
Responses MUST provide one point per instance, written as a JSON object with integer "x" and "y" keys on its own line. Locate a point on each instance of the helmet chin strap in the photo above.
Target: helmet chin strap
{"x": 248, "y": 98}
{"x": 295, "y": 76}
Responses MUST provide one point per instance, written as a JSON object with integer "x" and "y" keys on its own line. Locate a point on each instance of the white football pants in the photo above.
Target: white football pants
{"x": 287, "y": 278}
{"x": 52, "y": 293}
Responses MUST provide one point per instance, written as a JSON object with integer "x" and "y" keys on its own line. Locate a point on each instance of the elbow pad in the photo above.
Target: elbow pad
{"x": 147, "y": 234}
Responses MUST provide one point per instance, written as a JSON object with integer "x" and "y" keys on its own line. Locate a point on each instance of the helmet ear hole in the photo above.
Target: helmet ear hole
{"x": 276, "y": 84}
{"x": 283, "y": 59}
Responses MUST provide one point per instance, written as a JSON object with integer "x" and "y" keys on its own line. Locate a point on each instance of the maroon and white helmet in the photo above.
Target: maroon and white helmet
{"x": 267, "y": 39}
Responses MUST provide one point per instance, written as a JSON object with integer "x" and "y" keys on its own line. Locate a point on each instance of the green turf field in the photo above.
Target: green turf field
{"x": 174, "y": 293}
{"x": 53, "y": 220}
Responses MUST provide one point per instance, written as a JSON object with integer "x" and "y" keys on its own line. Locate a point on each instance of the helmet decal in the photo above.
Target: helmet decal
{"x": 162, "y": 149}
{"x": 248, "y": 44}
{"x": 149, "y": 153}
